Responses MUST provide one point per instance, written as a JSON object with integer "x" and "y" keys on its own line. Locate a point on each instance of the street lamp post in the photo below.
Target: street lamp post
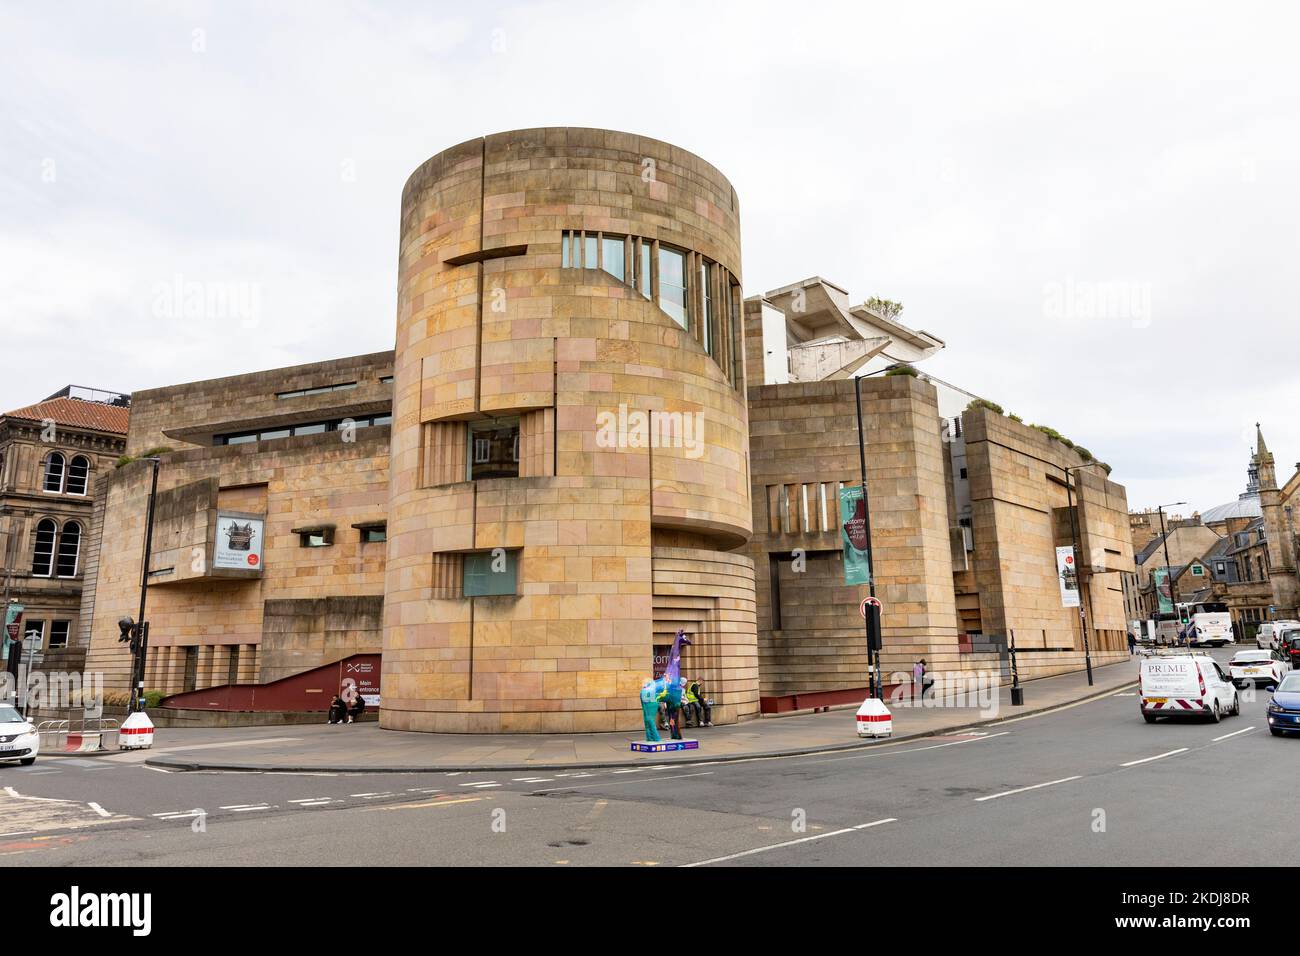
{"x": 1074, "y": 532}
{"x": 873, "y": 655}
{"x": 137, "y": 631}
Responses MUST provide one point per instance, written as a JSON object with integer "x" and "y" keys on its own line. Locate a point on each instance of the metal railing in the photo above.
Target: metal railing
{"x": 81, "y": 735}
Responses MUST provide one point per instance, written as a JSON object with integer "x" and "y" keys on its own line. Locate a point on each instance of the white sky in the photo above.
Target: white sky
{"x": 997, "y": 167}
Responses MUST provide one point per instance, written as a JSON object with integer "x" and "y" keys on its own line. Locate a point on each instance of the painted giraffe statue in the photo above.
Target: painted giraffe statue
{"x": 667, "y": 688}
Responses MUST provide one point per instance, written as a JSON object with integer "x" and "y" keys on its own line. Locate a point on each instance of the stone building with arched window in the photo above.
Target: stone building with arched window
{"x": 53, "y": 459}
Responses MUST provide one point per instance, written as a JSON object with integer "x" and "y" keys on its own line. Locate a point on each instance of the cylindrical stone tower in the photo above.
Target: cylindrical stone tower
{"x": 570, "y": 469}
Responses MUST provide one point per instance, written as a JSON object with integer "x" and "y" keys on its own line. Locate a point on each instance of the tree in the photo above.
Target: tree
{"x": 884, "y": 307}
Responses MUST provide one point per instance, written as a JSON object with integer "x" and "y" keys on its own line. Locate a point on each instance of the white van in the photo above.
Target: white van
{"x": 1266, "y": 636}
{"x": 1185, "y": 685}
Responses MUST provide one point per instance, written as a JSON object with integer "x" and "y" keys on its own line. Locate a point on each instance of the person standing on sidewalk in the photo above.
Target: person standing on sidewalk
{"x": 918, "y": 679}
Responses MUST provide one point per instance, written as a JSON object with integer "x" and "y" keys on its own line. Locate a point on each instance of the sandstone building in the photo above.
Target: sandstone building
{"x": 565, "y": 459}
{"x": 55, "y": 457}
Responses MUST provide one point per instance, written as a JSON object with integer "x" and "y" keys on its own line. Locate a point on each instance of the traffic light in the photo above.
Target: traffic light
{"x": 873, "y": 627}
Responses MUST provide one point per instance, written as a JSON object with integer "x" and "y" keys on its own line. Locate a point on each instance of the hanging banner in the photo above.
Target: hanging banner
{"x": 1160, "y": 578}
{"x": 13, "y": 625}
{"x": 853, "y": 536}
{"x": 1068, "y": 577}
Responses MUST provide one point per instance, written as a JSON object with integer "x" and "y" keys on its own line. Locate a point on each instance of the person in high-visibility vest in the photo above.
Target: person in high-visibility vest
{"x": 691, "y": 704}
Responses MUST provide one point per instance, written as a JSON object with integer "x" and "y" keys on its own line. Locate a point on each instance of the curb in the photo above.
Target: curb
{"x": 188, "y": 766}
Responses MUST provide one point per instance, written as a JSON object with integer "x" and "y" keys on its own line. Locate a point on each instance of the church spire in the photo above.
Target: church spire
{"x": 1260, "y": 448}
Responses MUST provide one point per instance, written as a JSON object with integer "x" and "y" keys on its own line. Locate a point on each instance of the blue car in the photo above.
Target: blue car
{"x": 1284, "y": 708}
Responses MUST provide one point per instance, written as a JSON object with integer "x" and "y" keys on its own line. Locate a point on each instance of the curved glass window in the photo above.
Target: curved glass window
{"x": 706, "y": 284}
{"x": 69, "y": 550}
{"x": 611, "y": 256}
{"x": 54, "y": 473}
{"x": 78, "y": 475}
{"x": 43, "y": 552}
{"x": 672, "y": 284}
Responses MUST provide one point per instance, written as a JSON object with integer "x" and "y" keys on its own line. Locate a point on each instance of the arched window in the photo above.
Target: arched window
{"x": 78, "y": 475}
{"x": 69, "y": 550}
{"x": 43, "y": 553}
{"x": 54, "y": 473}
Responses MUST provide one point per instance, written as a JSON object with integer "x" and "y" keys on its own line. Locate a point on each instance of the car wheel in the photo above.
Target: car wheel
{"x": 1236, "y": 706}
{"x": 27, "y": 761}
{"x": 1215, "y": 715}
{"x": 1151, "y": 718}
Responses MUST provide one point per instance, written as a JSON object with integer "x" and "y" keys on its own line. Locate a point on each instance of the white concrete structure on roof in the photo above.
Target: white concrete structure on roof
{"x": 811, "y": 333}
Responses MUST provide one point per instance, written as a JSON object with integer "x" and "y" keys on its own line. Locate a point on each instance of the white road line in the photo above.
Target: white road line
{"x": 258, "y": 741}
{"x": 243, "y": 806}
{"x": 157, "y": 769}
{"x": 1125, "y": 694}
{"x": 1007, "y": 793}
{"x": 248, "y": 809}
{"x": 910, "y": 750}
{"x": 18, "y": 796}
{"x": 308, "y": 799}
{"x": 376, "y": 796}
{"x": 485, "y": 785}
{"x": 1233, "y": 734}
{"x": 1169, "y": 753}
{"x": 371, "y": 794}
{"x": 315, "y": 803}
{"x": 98, "y": 809}
{"x": 532, "y": 779}
{"x": 633, "y": 770}
{"x": 777, "y": 846}
{"x": 423, "y": 790}
{"x": 623, "y": 783}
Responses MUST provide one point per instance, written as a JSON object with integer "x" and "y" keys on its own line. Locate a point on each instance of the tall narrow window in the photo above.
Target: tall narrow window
{"x": 706, "y": 285}
{"x": 611, "y": 252}
{"x": 69, "y": 550}
{"x": 672, "y": 284}
{"x": 733, "y": 302}
{"x": 565, "y": 261}
{"x": 590, "y": 253}
{"x": 54, "y": 473}
{"x": 43, "y": 552}
{"x": 646, "y": 250}
{"x": 78, "y": 473}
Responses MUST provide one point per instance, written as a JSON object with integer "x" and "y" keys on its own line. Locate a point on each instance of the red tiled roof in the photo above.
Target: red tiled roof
{"x": 74, "y": 413}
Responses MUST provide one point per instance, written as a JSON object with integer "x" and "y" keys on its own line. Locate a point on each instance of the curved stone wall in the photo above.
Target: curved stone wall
{"x": 562, "y": 438}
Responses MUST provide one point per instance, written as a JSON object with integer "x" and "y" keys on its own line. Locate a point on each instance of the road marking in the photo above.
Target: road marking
{"x": 1169, "y": 753}
{"x": 912, "y": 750}
{"x": 98, "y": 809}
{"x": 634, "y": 770}
{"x": 246, "y": 806}
{"x": 1037, "y": 786}
{"x": 1125, "y": 694}
{"x": 423, "y": 790}
{"x": 777, "y": 846}
{"x": 18, "y": 796}
{"x": 533, "y": 779}
{"x": 1233, "y": 734}
{"x": 622, "y": 783}
{"x": 430, "y": 803}
{"x": 308, "y": 799}
{"x": 482, "y": 785}
{"x": 314, "y": 803}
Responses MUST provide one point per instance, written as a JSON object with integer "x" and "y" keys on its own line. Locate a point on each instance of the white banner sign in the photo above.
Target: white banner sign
{"x": 1067, "y": 574}
{"x": 239, "y": 543}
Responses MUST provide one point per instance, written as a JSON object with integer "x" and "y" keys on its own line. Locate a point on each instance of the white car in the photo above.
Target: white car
{"x": 1185, "y": 685}
{"x": 1257, "y": 667}
{"x": 18, "y": 738}
{"x": 1266, "y": 636}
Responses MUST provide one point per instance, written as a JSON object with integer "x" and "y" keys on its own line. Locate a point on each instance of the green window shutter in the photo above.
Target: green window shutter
{"x": 482, "y": 580}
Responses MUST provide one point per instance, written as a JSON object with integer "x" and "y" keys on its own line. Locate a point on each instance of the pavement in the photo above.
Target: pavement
{"x": 366, "y": 748}
{"x": 1086, "y": 783}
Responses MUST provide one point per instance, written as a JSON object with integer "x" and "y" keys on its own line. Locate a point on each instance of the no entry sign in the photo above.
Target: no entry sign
{"x": 862, "y": 608}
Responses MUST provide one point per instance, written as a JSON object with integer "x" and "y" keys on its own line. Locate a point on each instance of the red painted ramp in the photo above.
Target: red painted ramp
{"x": 310, "y": 690}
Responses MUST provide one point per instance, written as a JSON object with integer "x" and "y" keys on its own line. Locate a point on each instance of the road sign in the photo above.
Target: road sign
{"x": 862, "y": 608}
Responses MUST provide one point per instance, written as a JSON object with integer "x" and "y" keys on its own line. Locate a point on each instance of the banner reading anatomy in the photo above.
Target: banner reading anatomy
{"x": 853, "y": 536}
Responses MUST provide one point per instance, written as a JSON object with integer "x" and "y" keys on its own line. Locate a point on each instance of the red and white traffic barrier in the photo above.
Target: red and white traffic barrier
{"x": 874, "y": 719}
{"x": 136, "y": 732}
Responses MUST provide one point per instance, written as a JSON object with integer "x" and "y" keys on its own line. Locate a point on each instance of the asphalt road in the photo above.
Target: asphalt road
{"x": 1088, "y": 784}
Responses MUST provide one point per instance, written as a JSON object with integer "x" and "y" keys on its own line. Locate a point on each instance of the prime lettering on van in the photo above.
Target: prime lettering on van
{"x": 75, "y": 909}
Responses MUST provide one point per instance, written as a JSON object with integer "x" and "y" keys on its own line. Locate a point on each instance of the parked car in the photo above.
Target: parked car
{"x": 1258, "y": 667}
{"x": 1267, "y": 635}
{"x": 18, "y": 738}
{"x": 1288, "y": 647}
{"x": 1284, "y": 708}
{"x": 1185, "y": 685}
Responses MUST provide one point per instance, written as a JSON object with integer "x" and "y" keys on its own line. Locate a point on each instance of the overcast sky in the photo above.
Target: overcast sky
{"x": 1095, "y": 205}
